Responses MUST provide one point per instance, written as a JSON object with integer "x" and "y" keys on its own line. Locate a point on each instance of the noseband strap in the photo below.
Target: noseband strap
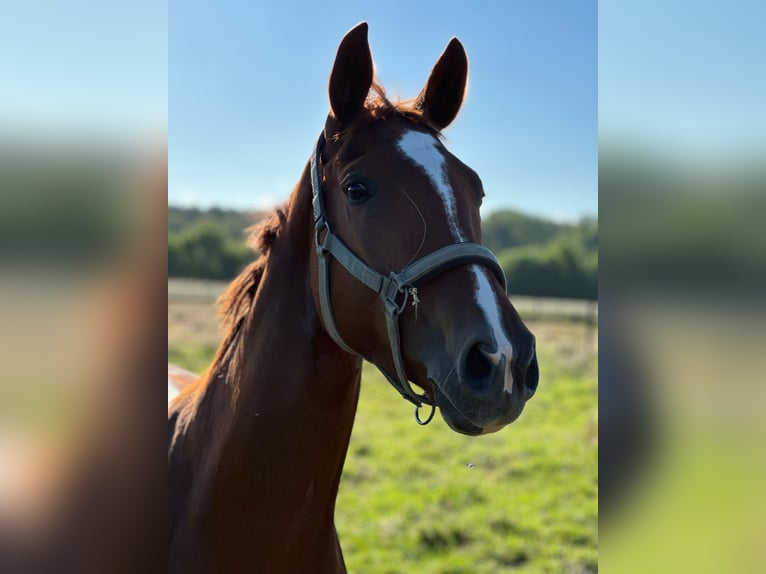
{"x": 394, "y": 289}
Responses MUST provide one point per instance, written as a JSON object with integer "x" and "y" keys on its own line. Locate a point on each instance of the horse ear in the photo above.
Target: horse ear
{"x": 351, "y": 75}
{"x": 443, "y": 94}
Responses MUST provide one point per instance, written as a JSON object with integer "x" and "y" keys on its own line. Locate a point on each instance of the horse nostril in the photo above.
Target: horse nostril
{"x": 478, "y": 362}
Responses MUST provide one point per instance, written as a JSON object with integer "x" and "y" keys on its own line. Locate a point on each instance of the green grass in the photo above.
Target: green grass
{"x": 426, "y": 498}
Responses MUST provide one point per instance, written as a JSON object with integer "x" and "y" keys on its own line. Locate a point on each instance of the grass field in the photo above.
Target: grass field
{"x": 429, "y": 500}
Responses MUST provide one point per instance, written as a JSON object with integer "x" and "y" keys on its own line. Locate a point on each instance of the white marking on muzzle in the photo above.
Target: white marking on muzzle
{"x": 488, "y": 303}
{"x": 423, "y": 150}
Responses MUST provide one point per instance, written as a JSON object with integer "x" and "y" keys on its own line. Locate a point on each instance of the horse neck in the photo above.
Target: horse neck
{"x": 287, "y": 410}
{"x": 293, "y": 372}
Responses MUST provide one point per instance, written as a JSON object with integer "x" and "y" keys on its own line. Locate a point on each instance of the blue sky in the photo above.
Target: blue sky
{"x": 243, "y": 84}
{"x": 684, "y": 79}
{"x": 248, "y": 94}
{"x": 84, "y": 67}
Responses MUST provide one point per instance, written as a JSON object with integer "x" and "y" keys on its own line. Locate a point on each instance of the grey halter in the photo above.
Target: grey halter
{"x": 394, "y": 289}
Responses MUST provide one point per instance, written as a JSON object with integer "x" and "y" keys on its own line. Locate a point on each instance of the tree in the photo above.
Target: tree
{"x": 203, "y": 251}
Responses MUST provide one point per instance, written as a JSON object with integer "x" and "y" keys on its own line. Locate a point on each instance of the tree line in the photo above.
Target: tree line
{"x": 540, "y": 257}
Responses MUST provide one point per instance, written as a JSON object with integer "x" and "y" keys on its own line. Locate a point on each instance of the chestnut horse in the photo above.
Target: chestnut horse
{"x": 376, "y": 256}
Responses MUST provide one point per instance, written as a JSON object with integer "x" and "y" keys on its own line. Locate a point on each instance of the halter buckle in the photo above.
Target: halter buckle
{"x": 393, "y": 290}
{"x": 321, "y": 225}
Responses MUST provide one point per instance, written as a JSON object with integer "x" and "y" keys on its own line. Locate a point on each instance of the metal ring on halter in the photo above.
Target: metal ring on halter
{"x": 394, "y": 308}
{"x": 420, "y": 421}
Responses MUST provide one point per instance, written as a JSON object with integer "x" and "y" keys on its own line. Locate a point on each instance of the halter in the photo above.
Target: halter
{"x": 394, "y": 289}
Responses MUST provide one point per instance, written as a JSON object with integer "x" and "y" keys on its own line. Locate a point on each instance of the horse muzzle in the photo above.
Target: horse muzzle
{"x": 485, "y": 390}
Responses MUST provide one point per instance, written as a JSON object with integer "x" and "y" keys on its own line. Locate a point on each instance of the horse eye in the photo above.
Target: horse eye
{"x": 356, "y": 192}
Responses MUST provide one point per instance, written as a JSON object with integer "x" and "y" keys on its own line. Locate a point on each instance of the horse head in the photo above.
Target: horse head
{"x": 398, "y": 232}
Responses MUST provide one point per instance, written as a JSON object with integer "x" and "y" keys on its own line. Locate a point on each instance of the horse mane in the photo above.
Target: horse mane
{"x": 380, "y": 107}
{"x": 236, "y": 303}
{"x": 235, "y": 307}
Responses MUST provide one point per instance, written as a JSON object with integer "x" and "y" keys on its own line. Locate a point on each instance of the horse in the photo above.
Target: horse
{"x": 375, "y": 256}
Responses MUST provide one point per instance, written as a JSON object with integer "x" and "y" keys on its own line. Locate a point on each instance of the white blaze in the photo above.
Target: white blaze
{"x": 422, "y": 149}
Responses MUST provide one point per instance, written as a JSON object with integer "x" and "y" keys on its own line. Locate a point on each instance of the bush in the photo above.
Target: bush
{"x": 508, "y": 228}
{"x": 204, "y": 252}
{"x": 559, "y": 269}
{"x": 539, "y": 257}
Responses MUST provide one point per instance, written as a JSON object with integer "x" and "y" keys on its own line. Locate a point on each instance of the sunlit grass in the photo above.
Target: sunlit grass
{"x": 524, "y": 499}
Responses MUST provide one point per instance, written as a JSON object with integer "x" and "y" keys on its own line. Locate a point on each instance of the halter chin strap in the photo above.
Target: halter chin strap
{"x": 394, "y": 289}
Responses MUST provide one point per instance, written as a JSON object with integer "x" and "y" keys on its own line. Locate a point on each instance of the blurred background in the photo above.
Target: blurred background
{"x": 83, "y": 183}
{"x": 682, "y": 176}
